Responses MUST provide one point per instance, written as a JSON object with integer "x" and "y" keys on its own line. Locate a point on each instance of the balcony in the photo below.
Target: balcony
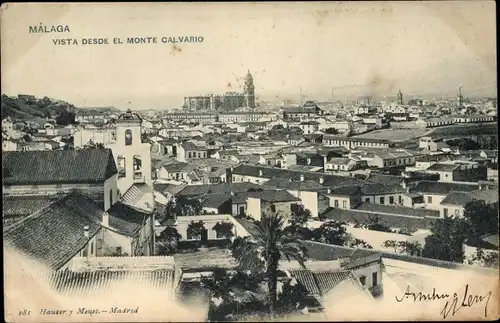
{"x": 138, "y": 177}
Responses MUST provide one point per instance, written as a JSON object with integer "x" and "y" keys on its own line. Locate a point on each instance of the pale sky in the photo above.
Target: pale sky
{"x": 420, "y": 48}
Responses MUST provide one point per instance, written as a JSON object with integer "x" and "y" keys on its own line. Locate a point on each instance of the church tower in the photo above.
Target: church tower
{"x": 460, "y": 98}
{"x": 249, "y": 91}
{"x": 400, "y": 98}
{"x": 132, "y": 156}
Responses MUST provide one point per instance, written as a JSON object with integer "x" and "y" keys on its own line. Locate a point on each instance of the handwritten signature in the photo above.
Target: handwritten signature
{"x": 452, "y": 305}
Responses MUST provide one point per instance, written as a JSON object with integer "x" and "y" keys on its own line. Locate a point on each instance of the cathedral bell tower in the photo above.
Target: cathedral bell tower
{"x": 249, "y": 91}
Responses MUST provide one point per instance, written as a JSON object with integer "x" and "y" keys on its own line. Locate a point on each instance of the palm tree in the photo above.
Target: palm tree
{"x": 264, "y": 251}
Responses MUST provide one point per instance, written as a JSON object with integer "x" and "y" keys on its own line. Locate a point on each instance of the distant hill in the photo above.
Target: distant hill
{"x": 28, "y": 107}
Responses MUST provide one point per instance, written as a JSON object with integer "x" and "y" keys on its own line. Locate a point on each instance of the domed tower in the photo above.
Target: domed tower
{"x": 400, "y": 98}
{"x": 249, "y": 91}
{"x": 132, "y": 156}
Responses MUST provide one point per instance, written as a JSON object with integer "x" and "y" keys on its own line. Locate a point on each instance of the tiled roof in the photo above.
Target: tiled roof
{"x": 268, "y": 172}
{"x": 249, "y": 226}
{"x": 135, "y": 193}
{"x": 293, "y": 185}
{"x": 339, "y": 161}
{"x": 385, "y": 179}
{"x": 126, "y": 219}
{"x": 205, "y": 259}
{"x": 24, "y": 205}
{"x": 214, "y": 200}
{"x": 489, "y": 196}
{"x": 273, "y": 196}
{"x": 306, "y": 279}
{"x": 177, "y": 167}
{"x": 57, "y": 166}
{"x": 443, "y": 188}
{"x": 396, "y": 210}
{"x": 168, "y": 188}
{"x": 196, "y": 190}
{"x": 327, "y": 281}
{"x": 410, "y": 223}
{"x": 443, "y": 167}
{"x": 332, "y": 252}
{"x": 55, "y": 234}
{"x": 457, "y": 198}
{"x": 88, "y": 284}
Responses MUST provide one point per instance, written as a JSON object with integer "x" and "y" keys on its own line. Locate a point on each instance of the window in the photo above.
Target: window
{"x": 400, "y": 200}
{"x": 445, "y": 212}
{"x": 429, "y": 199}
{"x": 367, "y": 200}
{"x": 344, "y": 204}
{"x": 219, "y": 234}
{"x": 391, "y": 199}
{"x": 110, "y": 197}
{"x": 121, "y": 166}
{"x": 382, "y": 200}
{"x": 362, "y": 279}
{"x": 189, "y": 154}
{"x": 128, "y": 137}
{"x": 119, "y": 251}
{"x": 336, "y": 203}
{"x": 374, "y": 279}
{"x": 189, "y": 235}
{"x": 92, "y": 248}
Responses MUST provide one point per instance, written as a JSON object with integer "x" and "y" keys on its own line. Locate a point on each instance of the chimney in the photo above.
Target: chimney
{"x": 321, "y": 180}
{"x": 86, "y": 231}
{"x": 301, "y": 178}
{"x": 260, "y": 172}
{"x": 105, "y": 219}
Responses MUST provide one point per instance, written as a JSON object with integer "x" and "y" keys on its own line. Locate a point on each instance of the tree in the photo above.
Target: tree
{"x": 404, "y": 247}
{"x": 300, "y": 215}
{"x": 331, "y": 232}
{"x": 168, "y": 241}
{"x": 487, "y": 259}
{"x": 482, "y": 219}
{"x": 65, "y": 118}
{"x": 179, "y": 206}
{"x": 195, "y": 229}
{"x": 331, "y": 131}
{"x": 446, "y": 240}
{"x": 376, "y": 225}
{"x": 267, "y": 248}
{"x": 224, "y": 229}
{"x": 358, "y": 243}
{"x": 92, "y": 145}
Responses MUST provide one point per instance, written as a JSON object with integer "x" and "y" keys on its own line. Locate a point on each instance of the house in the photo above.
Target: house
{"x": 93, "y": 172}
{"x": 454, "y": 203}
{"x": 473, "y": 118}
{"x": 350, "y": 196}
{"x": 340, "y": 164}
{"x": 9, "y": 144}
{"x": 260, "y": 174}
{"x": 435, "y": 192}
{"x": 188, "y": 150}
{"x": 456, "y": 171}
{"x": 397, "y": 158}
{"x": 309, "y": 109}
{"x": 352, "y": 142}
{"x": 432, "y": 144}
{"x": 295, "y": 140}
{"x": 309, "y": 127}
{"x": 7, "y": 125}
{"x": 491, "y": 155}
{"x": 278, "y": 201}
{"x": 306, "y": 191}
{"x": 174, "y": 171}
{"x": 75, "y": 226}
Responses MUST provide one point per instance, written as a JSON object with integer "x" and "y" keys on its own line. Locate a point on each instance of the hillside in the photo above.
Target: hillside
{"x": 27, "y": 107}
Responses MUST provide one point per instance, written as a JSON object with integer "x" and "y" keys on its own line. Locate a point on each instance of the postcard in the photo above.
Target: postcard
{"x": 250, "y": 161}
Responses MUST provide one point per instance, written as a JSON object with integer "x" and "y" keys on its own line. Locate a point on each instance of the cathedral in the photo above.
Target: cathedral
{"x": 225, "y": 102}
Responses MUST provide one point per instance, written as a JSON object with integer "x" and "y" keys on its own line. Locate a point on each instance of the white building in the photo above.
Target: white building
{"x": 133, "y": 158}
